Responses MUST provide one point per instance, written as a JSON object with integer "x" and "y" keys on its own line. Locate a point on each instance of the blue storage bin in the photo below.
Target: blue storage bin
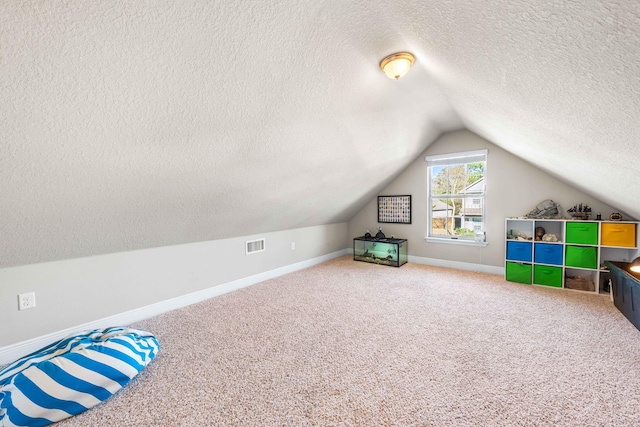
{"x": 519, "y": 251}
{"x": 546, "y": 253}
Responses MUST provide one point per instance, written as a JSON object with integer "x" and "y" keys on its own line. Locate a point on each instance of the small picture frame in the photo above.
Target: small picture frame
{"x": 394, "y": 209}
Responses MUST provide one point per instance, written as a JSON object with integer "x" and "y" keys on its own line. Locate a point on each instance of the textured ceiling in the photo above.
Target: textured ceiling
{"x": 127, "y": 125}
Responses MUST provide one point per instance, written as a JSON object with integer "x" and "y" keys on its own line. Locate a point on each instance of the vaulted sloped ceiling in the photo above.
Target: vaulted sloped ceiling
{"x": 128, "y": 125}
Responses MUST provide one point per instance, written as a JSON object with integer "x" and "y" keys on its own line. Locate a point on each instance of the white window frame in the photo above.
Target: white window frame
{"x": 454, "y": 159}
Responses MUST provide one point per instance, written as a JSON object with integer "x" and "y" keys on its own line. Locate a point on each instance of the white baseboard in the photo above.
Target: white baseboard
{"x": 491, "y": 269}
{"x": 15, "y": 351}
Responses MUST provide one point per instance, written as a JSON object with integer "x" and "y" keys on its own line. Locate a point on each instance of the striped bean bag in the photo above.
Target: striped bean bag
{"x": 72, "y": 375}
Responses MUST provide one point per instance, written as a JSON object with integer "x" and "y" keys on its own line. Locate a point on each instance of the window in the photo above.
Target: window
{"x": 457, "y": 196}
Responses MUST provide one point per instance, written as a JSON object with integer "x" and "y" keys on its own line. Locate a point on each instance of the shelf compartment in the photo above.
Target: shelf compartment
{"x": 614, "y": 234}
{"x": 582, "y": 232}
{"x": 608, "y": 253}
{"x": 520, "y": 227}
{"x": 581, "y": 256}
{"x": 605, "y": 282}
{"x": 547, "y": 276}
{"x": 547, "y": 253}
{"x": 519, "y": 251}
{"x": 551, "y": 227}
{"x": 518, "y": 272}
{"x": 580, "y": 280}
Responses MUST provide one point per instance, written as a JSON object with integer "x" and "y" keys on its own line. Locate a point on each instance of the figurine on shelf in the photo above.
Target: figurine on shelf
{"x": 367, "y": 235}
{"x": 380, "y": 234}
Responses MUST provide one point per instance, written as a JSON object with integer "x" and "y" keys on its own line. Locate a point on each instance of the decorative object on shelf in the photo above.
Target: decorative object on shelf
{"x": 394, "y": 209}
{"x": 616, "y": 216}
{"x": 380, "y": 234}
{"x": 580, "y": 211}
{"x": 367, "y": 235}
{"x": 549, "y": 238}
{"x": 545, "y": 209}
{"x": 540, "y": 231}
{"x": 397, "y": 65}
{"x": 579, "y": 284}
{"x": 518, "y": 235}
{"x": 598, "y": 216}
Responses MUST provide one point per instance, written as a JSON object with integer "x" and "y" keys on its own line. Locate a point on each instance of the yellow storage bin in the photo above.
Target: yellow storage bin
{"x": 618, "y": 234}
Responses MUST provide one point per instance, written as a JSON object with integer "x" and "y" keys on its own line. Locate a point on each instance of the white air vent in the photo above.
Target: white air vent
{"x": 254, "y": 246}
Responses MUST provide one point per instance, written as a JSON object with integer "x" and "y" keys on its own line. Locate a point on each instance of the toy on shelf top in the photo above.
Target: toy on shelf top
{"x": 580, "y": 211}
{"x": 545, "y": 209}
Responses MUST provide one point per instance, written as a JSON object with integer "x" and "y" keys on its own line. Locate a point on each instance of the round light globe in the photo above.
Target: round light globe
{"x": 397, "y": 65}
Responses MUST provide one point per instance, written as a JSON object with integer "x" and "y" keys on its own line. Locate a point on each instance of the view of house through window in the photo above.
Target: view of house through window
{"x": 457, "y": 195}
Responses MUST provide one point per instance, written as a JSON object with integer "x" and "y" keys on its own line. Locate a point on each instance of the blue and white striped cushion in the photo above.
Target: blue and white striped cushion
{"x": 72, "y": 375}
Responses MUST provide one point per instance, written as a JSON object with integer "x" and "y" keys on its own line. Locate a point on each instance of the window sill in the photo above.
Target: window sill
{"x": 462, "y": 242}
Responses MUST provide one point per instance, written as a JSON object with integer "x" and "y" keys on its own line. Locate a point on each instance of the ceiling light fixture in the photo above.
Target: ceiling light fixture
{"x": 397, "y": 65}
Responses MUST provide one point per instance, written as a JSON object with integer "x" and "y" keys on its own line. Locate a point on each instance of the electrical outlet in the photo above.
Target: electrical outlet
{"x": 293, "y": 245}
{"x": 26, "y": 301}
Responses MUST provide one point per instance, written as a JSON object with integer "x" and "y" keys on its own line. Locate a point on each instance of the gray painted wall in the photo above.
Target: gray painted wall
{"x": 514, "y": 188}
{"x": 78, "y": 291}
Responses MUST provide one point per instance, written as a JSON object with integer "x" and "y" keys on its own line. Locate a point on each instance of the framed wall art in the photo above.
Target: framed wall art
{"x": 394, "y": 209}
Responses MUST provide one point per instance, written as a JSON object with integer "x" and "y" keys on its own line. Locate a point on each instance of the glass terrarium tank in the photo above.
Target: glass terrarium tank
{"x": 380, "y": 251}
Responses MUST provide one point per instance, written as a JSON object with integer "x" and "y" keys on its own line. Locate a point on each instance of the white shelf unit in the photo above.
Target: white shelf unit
{"x": 576, "y": 260}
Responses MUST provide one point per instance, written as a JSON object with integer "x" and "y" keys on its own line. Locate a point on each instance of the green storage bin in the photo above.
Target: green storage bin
{"x": 582, "y": 232}
{"x": 516, "y": 272}
{"x": 581, "y": 256}
{"x": 547, "y": 276}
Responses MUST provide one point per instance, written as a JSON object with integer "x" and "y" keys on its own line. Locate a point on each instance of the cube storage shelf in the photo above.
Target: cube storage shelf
{"x": 576, "y": 261}
{"x": 391, "y": 252}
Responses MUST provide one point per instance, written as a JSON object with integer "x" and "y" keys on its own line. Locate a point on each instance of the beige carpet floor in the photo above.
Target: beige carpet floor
{"x": 347, "y": 343}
